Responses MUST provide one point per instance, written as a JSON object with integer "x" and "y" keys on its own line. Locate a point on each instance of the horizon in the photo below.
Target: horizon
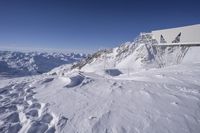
{"x": 87, "y": 26}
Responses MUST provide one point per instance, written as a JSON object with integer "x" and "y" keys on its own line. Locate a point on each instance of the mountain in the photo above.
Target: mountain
{"x": 31, "y": 63}
{"x": 141, "y": 54}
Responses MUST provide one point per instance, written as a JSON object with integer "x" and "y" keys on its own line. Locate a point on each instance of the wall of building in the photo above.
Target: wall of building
{"x": 188, "y": 34}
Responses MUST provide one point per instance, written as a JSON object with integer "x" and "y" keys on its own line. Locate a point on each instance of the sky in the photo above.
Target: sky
{"x": 87, "y": 25}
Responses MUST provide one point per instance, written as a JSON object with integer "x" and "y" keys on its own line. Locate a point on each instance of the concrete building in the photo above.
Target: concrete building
{"x": 181, "y": 34}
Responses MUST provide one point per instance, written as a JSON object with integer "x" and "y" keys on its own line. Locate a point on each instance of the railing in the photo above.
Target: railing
{"x": 178, "y": 44}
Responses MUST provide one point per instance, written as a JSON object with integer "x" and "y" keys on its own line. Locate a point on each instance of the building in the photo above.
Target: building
{"x": 186, "y": 34}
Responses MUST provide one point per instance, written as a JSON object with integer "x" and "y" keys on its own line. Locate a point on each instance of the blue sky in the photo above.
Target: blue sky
{"x": 87, "y": 25}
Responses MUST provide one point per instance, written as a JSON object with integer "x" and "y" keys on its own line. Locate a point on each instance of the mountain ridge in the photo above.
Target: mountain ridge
{"x": 31, "y": 63}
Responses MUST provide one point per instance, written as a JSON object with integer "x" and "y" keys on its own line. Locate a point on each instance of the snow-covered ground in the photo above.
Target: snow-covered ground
{"x": 163, "y": 100}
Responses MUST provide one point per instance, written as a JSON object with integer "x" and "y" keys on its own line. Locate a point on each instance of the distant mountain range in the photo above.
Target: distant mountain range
{"x": 31, "y": 63}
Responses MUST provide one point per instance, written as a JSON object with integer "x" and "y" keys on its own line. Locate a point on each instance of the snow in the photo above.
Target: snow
{"x": 156, "y": 100}
{"x": 133, "y": 88}
{"x": 192, "y": 55}
{"x": 135, "y": 56}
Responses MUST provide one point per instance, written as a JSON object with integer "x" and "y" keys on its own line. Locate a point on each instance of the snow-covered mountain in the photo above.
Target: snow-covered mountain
{"x": 141, "y": 54}
{"x": 29, "y": 63}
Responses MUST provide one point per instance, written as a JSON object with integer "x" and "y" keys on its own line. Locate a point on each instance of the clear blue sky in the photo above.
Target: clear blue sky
{"x": 86, "y": 25}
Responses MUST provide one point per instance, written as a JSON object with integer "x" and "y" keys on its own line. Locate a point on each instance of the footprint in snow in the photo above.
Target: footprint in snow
{"x": 15, "y": 99}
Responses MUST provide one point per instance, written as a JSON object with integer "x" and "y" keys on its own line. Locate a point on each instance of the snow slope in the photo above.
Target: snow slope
{"x": 158, "y": 100}
{"x": 139, "y": 55}
{"x": 20, "y": 64}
